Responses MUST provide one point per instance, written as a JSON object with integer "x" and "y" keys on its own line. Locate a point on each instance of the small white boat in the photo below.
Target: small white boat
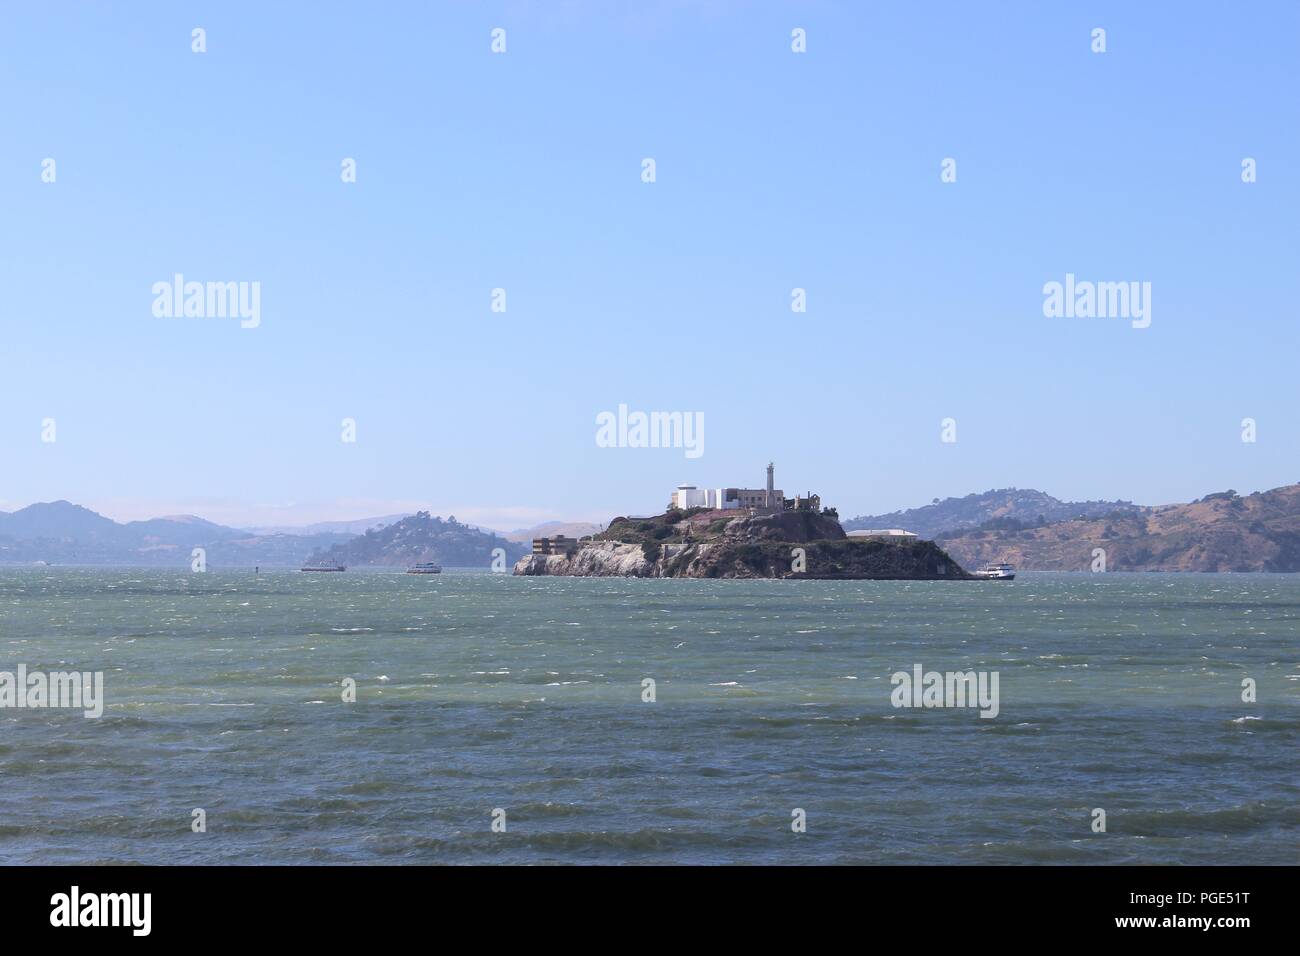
{"x": 996, "y": 572}
{"x": 426, "y": 567}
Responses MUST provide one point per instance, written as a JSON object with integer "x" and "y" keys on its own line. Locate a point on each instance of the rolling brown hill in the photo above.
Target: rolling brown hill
{"x": 1020, "y": 506}
{"x": 1220, "y": 532}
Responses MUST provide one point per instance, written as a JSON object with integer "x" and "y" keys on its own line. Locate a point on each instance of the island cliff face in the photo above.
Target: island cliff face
{"x": 700, "y": 544}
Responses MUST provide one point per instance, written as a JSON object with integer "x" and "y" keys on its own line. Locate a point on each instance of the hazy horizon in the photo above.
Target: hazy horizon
{"x": 496, "y": 519}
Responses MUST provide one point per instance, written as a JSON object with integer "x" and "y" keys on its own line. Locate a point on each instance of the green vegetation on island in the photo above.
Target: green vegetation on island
{"x": 706, "y": 543}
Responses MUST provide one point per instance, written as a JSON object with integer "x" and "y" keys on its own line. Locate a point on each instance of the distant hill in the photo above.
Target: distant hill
{"x": 1220, "y": 532}
{"x": 270, "y": 550}
{"x": 549, "y": 529}
{"x": 59, "y": 532}
{"x": 180, "y": 529}
{"x": 352, "y": 527}
{"x": 1024, "y": 507}
{"x": 60, "y": 520}
{"x": 422, "y": 537}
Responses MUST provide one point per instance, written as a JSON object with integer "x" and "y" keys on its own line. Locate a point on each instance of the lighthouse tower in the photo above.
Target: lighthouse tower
{"x": 770, "y": 486}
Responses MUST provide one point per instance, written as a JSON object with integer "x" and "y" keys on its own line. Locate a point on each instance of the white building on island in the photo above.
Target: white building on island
{"x": 769, "y": 500}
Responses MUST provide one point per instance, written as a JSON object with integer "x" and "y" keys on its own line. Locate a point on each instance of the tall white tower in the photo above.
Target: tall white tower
{"x": 770, "y": 486}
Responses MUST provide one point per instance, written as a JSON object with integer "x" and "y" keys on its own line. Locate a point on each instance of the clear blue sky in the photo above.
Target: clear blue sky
{"x": 522, "y": 171}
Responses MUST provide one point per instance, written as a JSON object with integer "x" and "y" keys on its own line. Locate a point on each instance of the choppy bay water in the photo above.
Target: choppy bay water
{"x": 479, "y": 691}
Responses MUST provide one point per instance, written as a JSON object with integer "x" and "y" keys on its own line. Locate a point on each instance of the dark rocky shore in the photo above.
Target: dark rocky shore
{"x": 705, "y": 545}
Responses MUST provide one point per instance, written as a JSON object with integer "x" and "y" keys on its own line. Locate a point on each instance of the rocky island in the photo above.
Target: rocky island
{"x": 703, "y": 542}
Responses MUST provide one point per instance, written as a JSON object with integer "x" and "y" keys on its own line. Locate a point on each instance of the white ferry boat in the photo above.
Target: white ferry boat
{"x": 426, "y": 567}
{"x": 997, "y": 572}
